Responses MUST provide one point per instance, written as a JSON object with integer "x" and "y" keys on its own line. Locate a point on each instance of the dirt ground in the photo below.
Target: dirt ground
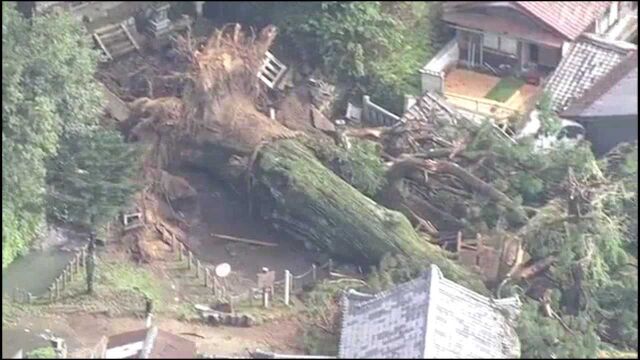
{"x": 216, "y": 211}
{"x": 83, "y": 331}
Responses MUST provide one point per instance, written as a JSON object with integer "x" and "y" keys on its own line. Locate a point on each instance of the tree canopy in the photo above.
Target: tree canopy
{"x": 48, "y": 91}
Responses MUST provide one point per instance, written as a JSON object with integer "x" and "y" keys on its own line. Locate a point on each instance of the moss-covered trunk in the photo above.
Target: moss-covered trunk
{"x": 311, "y": 203}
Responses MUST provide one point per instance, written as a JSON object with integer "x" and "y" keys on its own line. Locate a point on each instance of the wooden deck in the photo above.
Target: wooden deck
{"x": 466, "y": 89}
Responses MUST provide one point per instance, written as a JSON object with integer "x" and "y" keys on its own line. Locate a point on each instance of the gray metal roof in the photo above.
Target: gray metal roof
{"x": 615, "y": 94}
{"x": 588, "y": 60}
{"x": 428, "y": 317}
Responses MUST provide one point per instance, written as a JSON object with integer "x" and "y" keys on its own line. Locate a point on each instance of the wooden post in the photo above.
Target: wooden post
{"x": 189, "y": 259}
{"x": 180, "y": 249}
{"x": 250, "y": 296}
{"x": 206, "y": 277}
{"x": 214, "y": 284}
{"x": 197, "y": 268}
{"x": 173, "y": 242}
{"x": 314, "y": 274}
{"x": 58, "y": 288}
{"x": 287, "y": 275}
{"x": 52, "y": 292}
{"x": 77, "y": 263}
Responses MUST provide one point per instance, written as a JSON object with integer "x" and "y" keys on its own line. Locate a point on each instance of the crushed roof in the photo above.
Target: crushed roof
{"x": 615, "y": 94}
{"x": 588, "y": 60}
{"x": 428, "y": 317}
{"x": 569, "y": 18}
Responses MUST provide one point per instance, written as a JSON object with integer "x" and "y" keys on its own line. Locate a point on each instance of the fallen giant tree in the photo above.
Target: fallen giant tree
{"x": 214, "y": 124}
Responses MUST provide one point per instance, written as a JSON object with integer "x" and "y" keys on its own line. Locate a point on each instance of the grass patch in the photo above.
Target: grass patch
{"x": 504, "y": 89}
{"x": 126, "y": 277}
{"x": 42, "y": 353}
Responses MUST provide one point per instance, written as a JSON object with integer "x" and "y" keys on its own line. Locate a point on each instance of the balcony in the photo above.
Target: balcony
{"x": 483, "y": 95}
{"x": 481, "y": 91}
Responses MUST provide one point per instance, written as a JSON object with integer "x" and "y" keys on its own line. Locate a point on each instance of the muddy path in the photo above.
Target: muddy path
{"x": 83, "y": 331}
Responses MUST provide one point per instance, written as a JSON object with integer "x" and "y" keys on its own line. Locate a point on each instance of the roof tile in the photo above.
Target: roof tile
{"x": 428, "y": 317}
{"x": 589, "y": 59}
{"x": 570, "y": 18}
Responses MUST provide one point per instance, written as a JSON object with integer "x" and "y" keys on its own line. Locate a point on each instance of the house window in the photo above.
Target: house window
{"x": 500, "y": 43}
{"x": 508, "y": 45}
{"x": 491, "y": 41}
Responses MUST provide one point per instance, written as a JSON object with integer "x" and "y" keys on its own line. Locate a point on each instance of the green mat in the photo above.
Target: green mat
{"x": 505, "y": 89}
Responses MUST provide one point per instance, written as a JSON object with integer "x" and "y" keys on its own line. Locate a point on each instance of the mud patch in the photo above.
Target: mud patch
{"x": 217, "y": 211}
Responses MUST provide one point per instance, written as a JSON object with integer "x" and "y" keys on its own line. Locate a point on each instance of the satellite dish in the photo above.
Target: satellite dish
{"x": 223, "y": 270}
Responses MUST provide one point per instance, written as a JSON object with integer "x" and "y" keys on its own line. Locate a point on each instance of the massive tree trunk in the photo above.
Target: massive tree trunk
{"x": 220, "y": 130}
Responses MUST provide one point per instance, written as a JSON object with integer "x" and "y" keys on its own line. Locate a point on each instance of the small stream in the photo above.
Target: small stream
{"x": 36, "y": 270}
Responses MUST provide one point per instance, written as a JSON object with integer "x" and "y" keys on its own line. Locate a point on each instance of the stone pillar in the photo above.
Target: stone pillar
{"x": 199, "y": 6}
{"x": 265, "y": 297}
{"x": 287, "y": 284}
{"x": 314, "y": 274}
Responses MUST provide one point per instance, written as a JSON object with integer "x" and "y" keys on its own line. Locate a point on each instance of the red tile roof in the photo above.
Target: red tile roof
{"x": 570, "y": 18}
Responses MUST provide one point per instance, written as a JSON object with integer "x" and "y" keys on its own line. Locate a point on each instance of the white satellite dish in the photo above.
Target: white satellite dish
{"x": 223, "y": 270}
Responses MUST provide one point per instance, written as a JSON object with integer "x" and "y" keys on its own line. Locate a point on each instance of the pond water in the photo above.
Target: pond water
{"x": 36, "y": 270}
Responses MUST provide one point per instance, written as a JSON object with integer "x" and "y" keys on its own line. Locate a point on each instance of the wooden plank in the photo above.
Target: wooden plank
{"x": 97, "y": 37}
{"x": 243, "y": 240}
{"x": 126, "y": 31}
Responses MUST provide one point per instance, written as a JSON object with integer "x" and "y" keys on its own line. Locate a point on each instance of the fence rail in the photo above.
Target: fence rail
{"x": 376, "y": 115}
{"x": 60, "y": 283}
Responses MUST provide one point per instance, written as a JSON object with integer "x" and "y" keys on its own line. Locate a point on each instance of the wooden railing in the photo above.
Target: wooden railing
{"x": 480, "y": 106}
{"x": 375, "y": 115}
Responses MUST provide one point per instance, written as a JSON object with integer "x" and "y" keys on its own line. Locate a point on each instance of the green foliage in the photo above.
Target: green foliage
{"x": 544, "y": 338}
{"x": 47, "y": 88}
{"x": 92, "y": 177}
{"x": 322, "y": 308}
{"x": 46, "y": 352}
{"x": 549, "y": 121}
{"x": 373, "y": 47}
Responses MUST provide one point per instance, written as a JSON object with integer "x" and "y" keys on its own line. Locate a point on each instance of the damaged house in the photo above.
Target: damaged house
{"x": 515, "y": 45}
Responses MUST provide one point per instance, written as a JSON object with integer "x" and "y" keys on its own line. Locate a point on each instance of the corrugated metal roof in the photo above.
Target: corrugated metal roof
{"x": 570, "y": 18}
{"x": 429, "y": 317}
{"x": 588, "y": 60}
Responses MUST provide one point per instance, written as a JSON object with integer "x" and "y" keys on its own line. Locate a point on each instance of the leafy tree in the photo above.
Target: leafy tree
{"x": 47, "y": 89}
{"x": 373, "y": 47}
{"x": 90, "y": 179}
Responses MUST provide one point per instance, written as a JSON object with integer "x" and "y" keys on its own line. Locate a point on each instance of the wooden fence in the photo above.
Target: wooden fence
{"x": 60, "y": 283}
